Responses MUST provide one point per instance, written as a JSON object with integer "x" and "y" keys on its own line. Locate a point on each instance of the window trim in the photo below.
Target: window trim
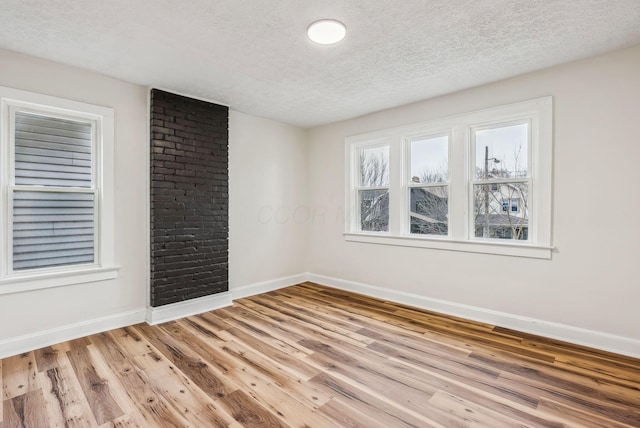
{"x": 460, "y": 127}
{"x": 358, "y": 187}
{"x": 407, "y": 185}
{"x": 354, "y": 168}
{"x": 95, "y": 189}
{"x": 104, "y": 266}
{"x": 473, "y": 181}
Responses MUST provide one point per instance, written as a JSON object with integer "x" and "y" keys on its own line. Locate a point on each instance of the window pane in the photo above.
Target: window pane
{"x": 374, "y": 167}
{"x": 502, "y": 152}
{"x": 52, "y": 229}
{"x": 52, "y": 152}
{"x": 429, "y": 210}
{"x": 429, "y": 160}
{"x": 494, "y": 219}
{"x": 374, "y": 210}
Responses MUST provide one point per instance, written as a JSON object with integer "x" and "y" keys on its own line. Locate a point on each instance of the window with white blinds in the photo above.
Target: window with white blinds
{"x": 53, "y": 194}
{"x": 52, "y": 152}
{"x": 57, "y": 171}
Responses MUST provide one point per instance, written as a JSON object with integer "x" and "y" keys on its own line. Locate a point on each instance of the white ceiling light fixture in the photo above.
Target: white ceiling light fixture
{"x": 326, "y": 31}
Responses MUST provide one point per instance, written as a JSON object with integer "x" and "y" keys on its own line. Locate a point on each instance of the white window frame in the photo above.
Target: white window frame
{"x": 102, "y": 118}
{"x": 406, "y": 183}
{"x": 474, "y": 181}
{"x": 460, "y": 128}
{"x": 358, "y": 187}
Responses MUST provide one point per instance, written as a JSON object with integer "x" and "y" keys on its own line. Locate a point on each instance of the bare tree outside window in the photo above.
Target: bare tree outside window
{"x": 428, "y": 187}
{"x": 502, "y": 172}
{"x": 374, "y": 167}
{"x": 373, "y": 196}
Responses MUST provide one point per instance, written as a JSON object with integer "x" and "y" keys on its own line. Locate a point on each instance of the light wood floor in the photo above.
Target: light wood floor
{"x": 310, "y": 356}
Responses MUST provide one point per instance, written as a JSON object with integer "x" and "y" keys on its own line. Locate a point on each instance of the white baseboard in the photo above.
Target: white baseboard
{"x": 265, "y": 286}
{"x": 187, "y": 308}
{"x": 20, "y": 344}
{"x": 216, "y": 301}
{"x": 579, "y": 336}
{"x": 30, "y": 342}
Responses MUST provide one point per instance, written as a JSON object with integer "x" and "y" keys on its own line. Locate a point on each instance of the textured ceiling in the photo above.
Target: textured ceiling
{"x": 254, "y": 55}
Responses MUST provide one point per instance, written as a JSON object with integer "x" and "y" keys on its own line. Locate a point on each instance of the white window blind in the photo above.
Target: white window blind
{"x": 53, "y": 192}
{"x": 52, "y": 152}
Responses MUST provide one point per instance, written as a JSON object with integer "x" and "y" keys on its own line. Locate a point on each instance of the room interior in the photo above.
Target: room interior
{"x": 291, "y": 105}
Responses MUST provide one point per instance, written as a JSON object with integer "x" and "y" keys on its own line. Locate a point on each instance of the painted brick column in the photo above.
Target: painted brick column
{"x": 189, "y": 198}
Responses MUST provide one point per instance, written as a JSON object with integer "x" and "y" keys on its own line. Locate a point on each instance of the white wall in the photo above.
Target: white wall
{"x": 287, "y": 204}
{"x": 592, "y": 281}
{"x": 41, "y": 310}
{"x": 267, "y": 200}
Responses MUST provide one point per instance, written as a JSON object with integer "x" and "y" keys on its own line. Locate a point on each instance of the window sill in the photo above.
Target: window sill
{"x": 28, "y": 282}
{"x": 498, "y": 248}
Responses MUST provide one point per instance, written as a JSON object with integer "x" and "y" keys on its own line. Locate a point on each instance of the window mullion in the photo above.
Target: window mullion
{"x": 404, "y": 166}
{"x": 397, "y": 199}
{"x": 359, "y": 188}
{"x": 458, "y": 204}
{"x": 502, "y": 181}
{"x": 426, "y": 186}
{"x": 52, "y": 189}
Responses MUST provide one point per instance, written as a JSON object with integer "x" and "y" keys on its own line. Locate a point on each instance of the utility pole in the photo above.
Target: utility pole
{"x": 485, "y": 231}
{"x": 487, "y": 187}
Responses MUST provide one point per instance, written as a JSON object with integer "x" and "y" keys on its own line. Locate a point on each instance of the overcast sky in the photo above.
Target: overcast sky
{"x": 508, "y": 144}
{"x": 505, "y": 144}
{"x": 429, "y": 155}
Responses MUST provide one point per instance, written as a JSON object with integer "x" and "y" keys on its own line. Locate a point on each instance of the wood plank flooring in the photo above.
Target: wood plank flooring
{"x": 312, "y": 356}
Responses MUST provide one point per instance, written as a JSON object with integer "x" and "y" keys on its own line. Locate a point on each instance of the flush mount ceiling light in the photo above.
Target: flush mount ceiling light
{"x": 326, "y": 31}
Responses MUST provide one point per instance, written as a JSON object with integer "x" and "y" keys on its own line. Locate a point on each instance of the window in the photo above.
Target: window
{"x": 501, "y": 178}
{"x": 478, "y": 182}
{"x": 58, "y": 220}
{"x": 53, "y": 191}
{"x": 428, "y": 185}
{"x": 373, "y": 188}
{"x": 509, "y": 205}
